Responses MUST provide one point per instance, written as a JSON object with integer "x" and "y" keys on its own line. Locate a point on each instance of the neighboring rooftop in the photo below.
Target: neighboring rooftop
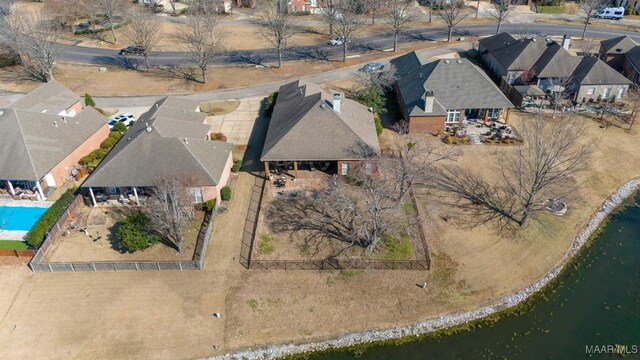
{"x": 455, "y": 83}
{"x": 32, "y": 143}
{"x": 169, "y": 138}
{"x": 618, "y": 45}
{"x": 554, "y": 62}
{"x": 50, "y": 98}
{"x": 497, "y": 41}
{"x": 520, "y": 54}
{"x": 633, "y": 56}
{"x": 593, "y": 71}
{"x": 306, "y": 124}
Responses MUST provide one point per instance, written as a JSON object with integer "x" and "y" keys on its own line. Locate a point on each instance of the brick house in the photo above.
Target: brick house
{"x": 613, "y": 51}
{"x": 444, "y": 93}
{"x": 43, "y": 137}
{"x": 311, "y": 126}
{"x": 593, "y": 79}
{"x": 170, "y": 138}
{"x": 297, "y": 6}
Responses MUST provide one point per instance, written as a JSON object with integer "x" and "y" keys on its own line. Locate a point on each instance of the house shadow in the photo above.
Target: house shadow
{"x": 251, "y": 160}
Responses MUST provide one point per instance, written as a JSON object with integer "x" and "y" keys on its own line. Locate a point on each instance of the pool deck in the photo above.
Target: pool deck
{"x": 15, "y": 234}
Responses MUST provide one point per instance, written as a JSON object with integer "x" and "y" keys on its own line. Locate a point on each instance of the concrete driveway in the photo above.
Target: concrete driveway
{"x": 238, "y": 124}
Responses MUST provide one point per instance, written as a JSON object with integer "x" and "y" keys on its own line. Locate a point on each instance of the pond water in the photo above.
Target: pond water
{"x": 595, "y": 302}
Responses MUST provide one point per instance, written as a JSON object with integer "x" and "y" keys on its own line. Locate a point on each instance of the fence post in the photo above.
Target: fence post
{"x": 50, "y": 269}
{"x": 72, "y": 268}
{"x": 93, "y": 265}
{"x": 158, "y": 265}
{"x": 180, "y": 265}
{"x": 137, "y": 268}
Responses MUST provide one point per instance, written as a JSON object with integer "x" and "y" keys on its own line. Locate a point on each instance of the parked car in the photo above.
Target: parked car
{"x": 372, "y": 67}
{"x": 611, "y": 13}
{"x": 125, "y": 118}
{"x": 336, "y": 41}
{"x": 132, "y": 50}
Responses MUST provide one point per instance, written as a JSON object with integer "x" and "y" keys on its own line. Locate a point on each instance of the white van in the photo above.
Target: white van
{"x": 611, "y": 13}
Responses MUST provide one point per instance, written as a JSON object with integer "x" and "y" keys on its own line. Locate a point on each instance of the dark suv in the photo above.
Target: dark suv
{"x": 132, "y": 50}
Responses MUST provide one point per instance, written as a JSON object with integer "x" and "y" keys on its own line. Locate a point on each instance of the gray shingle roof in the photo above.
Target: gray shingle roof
{"x": 304, "y": 126}
{"x": 618, "y": 45}
{"x": 32, "y": 143}
{"x": 633, "y": 57}
{"x": 456, "y": 84}
{"x": 555, "y": 62}
{"x": 50, "y": 98}
{"x": 521, "y": 54}
{"x": 497, "y": 41}
{"x": 141, "y": 155}
{"x": 593, "y": 71}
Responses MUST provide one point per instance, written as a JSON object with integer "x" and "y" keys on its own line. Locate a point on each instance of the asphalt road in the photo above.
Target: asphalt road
{"x": 324, "y": 52}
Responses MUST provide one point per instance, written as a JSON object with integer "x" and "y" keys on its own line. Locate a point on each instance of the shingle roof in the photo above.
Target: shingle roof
{"x": 556, "y": 61}
{"x": 50, "y": 98}
{"x": 497, "y": 41}
{"x": 633, "y": 57}
{"x": 456, "y": 84}
{"x": 529, "y": 90}
{"x": 304, "y": 126}
{"x": 32, "y": 143}
{"x": 593, "y": 71}
{"x": 175, "y": 144}
{"x": 618, "y": 45}
{"x": 520, "y": 54}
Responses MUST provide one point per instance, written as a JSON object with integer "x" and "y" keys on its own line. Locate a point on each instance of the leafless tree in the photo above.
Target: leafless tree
{"x": 558, "y": 93}
{"x": 398, "y": 18}
{"x": 68, "y": 10}
{"x": 169, "y": 207}
{"x": 374, "y": 7}
{"x": 276, "y": 25}
{"x": 543, "y": 167}
{"x": 112, "y": 11}
{"x": 143, "y": 31}
{"x": 452, "y": 14}
{"x": 382, "y": 80}
{"x": 501, "y": 9}
{"x": 347, "y": 25}
{"x": 633, "y": 96}
{"x": 6, "y": 7}
{"x": 330, "y": 14}
{"x": 200, "y": 41}
{"x": 588, "y": 9}
{"x": 35, "y": 41}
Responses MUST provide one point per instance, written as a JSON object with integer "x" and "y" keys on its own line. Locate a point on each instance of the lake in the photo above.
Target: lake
{"x": 595, "y": 302}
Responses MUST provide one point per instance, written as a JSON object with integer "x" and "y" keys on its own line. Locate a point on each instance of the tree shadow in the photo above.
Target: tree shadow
{"x": 307, "y": 53}
{"x": 246, "y": 57}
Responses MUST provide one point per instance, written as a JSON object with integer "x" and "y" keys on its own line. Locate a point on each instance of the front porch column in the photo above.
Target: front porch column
{"x": 506, "y": 118}
{"x": 12, "y": 191}
{"x": 485, "y": 116}
{"x": 39, "y": 188}
{"x": 266, "y": 170}
{"x": 93, "y": 197}
{"x": 135, "y": 193}
{"x": 295, "y": 170}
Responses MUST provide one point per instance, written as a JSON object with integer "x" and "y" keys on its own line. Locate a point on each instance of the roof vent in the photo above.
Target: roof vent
{"x": 55, "y": 123}
{"x": 446, "y": 61}
{"x": 64, "y": 119}
{"x": 323, "y": 106}
{"x": 459, "y": 61}
{"x": 186, "y": 141}
{"x": 148, "y": 128}
{"x": 157, "y": 105}
{"x": 534, "y": 39}
{"x": 1, "y": 112}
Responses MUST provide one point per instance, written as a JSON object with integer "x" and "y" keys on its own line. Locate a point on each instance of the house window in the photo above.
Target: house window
{"x": 512, "y": 77}
{"x": 591, "y": 91}
{"x": 620, "y": 93}
{"x": 304, "y": 8}
{"x": 493, "y": 113}
{"x": 453, "y": 116}
{"x": 197, "y": 195}
{"x": 114, "y": 190}
{"x": 368, "y": 169}
{"x": 293, "y": 8}
{"x": 605, "y": 93}
{"x": 345, "y": 169}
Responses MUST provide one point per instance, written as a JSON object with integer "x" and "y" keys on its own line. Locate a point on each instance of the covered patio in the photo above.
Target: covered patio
{"x": 25, "y": 190}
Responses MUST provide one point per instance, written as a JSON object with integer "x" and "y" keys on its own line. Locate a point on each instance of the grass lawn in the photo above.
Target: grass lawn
{"x": 551, "y": 9}
{"x": 13, "y": 245}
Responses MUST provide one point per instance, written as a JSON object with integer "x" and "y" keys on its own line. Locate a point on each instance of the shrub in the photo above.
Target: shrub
{"x": 209, "y": 205}
{"x": 464, "y": 139}
{"x": 225, "y": 193}
{"x": 371, "y": 97}
{"x": 119, "y": 127}
{"x": 449, "y": 139}
{"x": 472, "y": 53}
{"x": 133, "y": 233}
{"x": 265, "y": 246}
{"x": 95, "y": 155}
{"x": 237, "y": 165}
{"x": 397, "y": 249}
{"x": 88, "y": 100}
{"x": 108, "y": 143}
{"x": 378, "y": 122}
{"x": 35, "y": 236}
{"x": 218, "y": 137}
{"x": 301, "y": 13}
{"x": 271, "y": 103}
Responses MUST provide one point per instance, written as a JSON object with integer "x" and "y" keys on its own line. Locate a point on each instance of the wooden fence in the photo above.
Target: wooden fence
{"x": 37, "y": 263}
{"x": 27, "y": 253}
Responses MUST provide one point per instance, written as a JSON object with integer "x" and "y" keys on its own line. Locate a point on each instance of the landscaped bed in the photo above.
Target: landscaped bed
{"x": 100, "y": 242}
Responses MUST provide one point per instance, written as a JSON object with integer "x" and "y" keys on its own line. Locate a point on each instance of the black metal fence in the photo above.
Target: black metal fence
{"x": 251, "y": 222}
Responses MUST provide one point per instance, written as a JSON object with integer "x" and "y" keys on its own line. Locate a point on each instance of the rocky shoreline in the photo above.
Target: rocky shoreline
{"x": 442, "y": 322}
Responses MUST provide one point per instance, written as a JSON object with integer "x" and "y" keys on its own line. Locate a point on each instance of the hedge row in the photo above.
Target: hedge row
{"x": 98, "y": 154}
{"x": 48, "y": 219}
{"x": 95, "y": 31}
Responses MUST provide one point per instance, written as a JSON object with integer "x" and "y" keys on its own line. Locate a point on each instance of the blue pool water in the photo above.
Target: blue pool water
{"x": 19, "y": 218}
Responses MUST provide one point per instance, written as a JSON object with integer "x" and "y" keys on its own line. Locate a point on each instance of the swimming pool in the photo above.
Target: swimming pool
{"x": 19, "y": 218}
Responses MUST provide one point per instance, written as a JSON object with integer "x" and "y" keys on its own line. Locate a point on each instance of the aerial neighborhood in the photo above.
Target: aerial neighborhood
{"x": 260, "y": 179}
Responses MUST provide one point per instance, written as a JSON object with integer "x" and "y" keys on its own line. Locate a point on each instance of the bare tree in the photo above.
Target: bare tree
{"x": 276, "y": 25}
{"x": 501, "y": 10}
{"x": 169, "y": 207}
{"x": 35, "y": 41}
{"x": 374, "y": 8}
{"x": 400, "y": 15}
{"x": 452, "y": 14}
{"x": 199, "y": 41}
{"x": 347, "y": 25}
{"x": 143, "y": 31}
{"x": 382, "y": 80}
{"x": 558, "y": 93}
{"x": 330, "y": 14}
{"x": 112, "y": 11}
{"x": 588, "y": 9}
{"x": 6, "y": 7}
{"x": 68, "y": 10}
{"x": 543, "y": 167}
{"x": 633, "y": 96}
